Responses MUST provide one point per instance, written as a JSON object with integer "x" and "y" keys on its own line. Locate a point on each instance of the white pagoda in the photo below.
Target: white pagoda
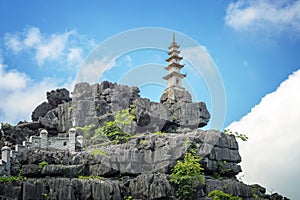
{"x": 175, "y": 92}
{"x": 174, "y": 76}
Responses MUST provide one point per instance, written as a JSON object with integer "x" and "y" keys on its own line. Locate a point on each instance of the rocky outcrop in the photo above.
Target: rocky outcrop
{"x": 139, "y": 168}
{"x": 41, "y": 111}
{"x": 98, "y": 103}
{"x": 182, "y": 112}
{"x": 58, "y": 96}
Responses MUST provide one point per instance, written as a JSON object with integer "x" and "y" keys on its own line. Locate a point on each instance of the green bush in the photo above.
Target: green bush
{"x": 42, "y": 165}
{"x": 85, "y": 130}
{"x": 91, "y": 177}
{"x": 220, "y": 195}
{"x": 187, "y": 175}
{"x": 98, "y": 152}
{"x": 241, "y": 136}
{"x": 114, "y": 130}
{"x": 11, "y": 179}
{"x": 5, "y": 125}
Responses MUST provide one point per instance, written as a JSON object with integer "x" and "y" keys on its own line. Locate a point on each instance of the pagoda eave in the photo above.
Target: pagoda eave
{"x": 174, "y": 65}
{"x": 174, "y": 74}
{"x": 175, "y": 50}
{"x": 176, "y": 57}
{"x": 174, "y": 45}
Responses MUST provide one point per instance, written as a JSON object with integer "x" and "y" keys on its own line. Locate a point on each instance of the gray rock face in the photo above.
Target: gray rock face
{"x": 58, "y": 96}
{"x": 41, "y": 111}
{"x": 63, "y": 188}
{"x": 139, "y": 168}
{"x": 102, "y": 101}
{"x": 151, "y": 186}
{"x": 182, "y": 111}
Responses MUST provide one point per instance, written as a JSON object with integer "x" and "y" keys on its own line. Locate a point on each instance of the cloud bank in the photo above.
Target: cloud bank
{"x": 271, "y": 156}
{"x": 19, "y": 93}
{"x": 64, "y": 48}
{"x": 264, "y": 14}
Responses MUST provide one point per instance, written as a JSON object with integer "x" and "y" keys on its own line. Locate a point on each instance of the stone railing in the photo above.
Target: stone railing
{"x": 38, "y": 142}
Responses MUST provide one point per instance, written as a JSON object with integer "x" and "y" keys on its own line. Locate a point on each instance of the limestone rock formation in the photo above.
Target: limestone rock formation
{"x": 139, "y": 168}
{"x": 160, "y": 135}
{"x": 101, "y": 101}
{"x": 58, "y": 96}
{"x": 41, "y": 111}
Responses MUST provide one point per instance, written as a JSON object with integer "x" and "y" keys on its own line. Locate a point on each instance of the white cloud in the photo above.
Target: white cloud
{"x": 271, "y": 155}
{"x": 91, "y": 72}
{"x": 264, "y": 14}
{"x": 20, "y": 94}
{"x": 33, "y": 37}
{"x": 53, "y": 49}
{"x": 75, "y": 55}
{"x": 13, "y": 42}
{"x": 65, "y": 48}
{"x": 11, "y": 80}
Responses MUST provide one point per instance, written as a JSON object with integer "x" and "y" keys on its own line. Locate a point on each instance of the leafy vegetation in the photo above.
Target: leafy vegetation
{"x": 243, "y": 137}
{"x": 42, "y": 165}
{"x": 11, "y": 179}
{"x": 187, "y": 175}
{"x": 220, "y": 195}
{"x": 85, "y": 130}
{"x": 98, "y": 152}
{"x": 159, "y": 133}
{"x": 91, "y": 177}
{"x": 114, "y": 130}
{"x": 128, "y": 198}
{"x": 45, "y": 196}
{"x": 5, "y": 125}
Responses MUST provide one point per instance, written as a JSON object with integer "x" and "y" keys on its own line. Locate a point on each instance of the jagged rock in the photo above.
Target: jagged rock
{"x": 182, "y": 112}
{"x": 58, "y": 96}
{"x": 69, "y": 189}
{"x": 41, "y": 111}
{"x": 93, "y": 102}
{"x": 175, "y": 95}
{"x": 151, "y": 186}
{"x": 150, "y": 116}
{"x": 139, "y": 168}
{"x": 64, "y": 116}
{"x": 12, "y": 135}
{"x": 11, "y": 190}
{"x": 230, "y": 186}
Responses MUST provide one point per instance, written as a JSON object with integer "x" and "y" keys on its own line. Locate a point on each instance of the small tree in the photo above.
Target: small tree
{"x": 187, "y": 175}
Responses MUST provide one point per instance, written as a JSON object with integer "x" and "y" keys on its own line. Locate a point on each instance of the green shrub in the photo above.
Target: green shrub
{"x": 243, "y": 137}
{"x": 91, "y": 177}
{"x": 114, "y": 130}
{"x": 220, "y": 195}
{"x": 5, "y": 125}
{"x": 11, "y": 179}
{"x": 42, "y": 165}
{"x": 98, "y": 152}
{"x": 85, "y": 130}
{"x": 187, "y": 175}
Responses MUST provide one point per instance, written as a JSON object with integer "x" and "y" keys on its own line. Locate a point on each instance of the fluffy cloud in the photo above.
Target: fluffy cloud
{"x": 65, "y": 48}
{"x": 271, "y": 155}
{"x": 263, "y": 14}
{"x": 15, "y": 86}
{"x": 92, "y": 71}
{"x": 11, "y": 80}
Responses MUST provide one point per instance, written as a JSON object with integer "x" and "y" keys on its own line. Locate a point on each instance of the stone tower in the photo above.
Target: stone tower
{"x": 174, "y": 76}
{"x": 175, "y": 92}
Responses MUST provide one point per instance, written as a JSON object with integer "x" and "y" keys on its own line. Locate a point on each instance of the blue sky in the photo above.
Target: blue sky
{"x": 254, "y": 45}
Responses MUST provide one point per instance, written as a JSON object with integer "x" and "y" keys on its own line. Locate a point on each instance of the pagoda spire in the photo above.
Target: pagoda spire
{"x": 174, "y": 77}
